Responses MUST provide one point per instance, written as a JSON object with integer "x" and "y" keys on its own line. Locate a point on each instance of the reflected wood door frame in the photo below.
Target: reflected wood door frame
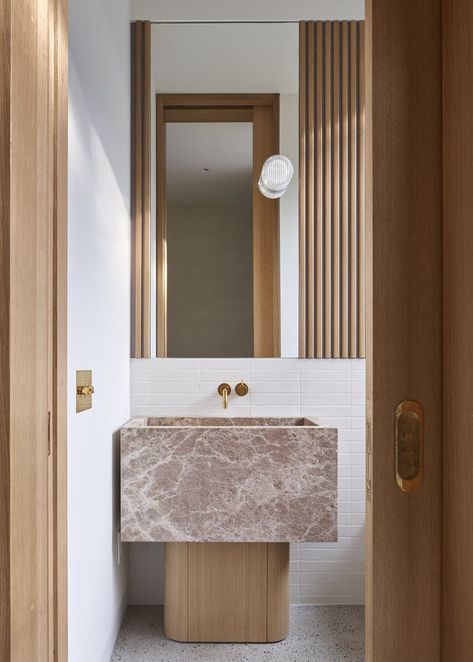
{"x": 263, "y": 111}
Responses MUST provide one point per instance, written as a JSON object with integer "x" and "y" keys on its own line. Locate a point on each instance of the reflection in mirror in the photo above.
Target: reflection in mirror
{"x": 209, "y": 182}
{"x": 226, "y": 256}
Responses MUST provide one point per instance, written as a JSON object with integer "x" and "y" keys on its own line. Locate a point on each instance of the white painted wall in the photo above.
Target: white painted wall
{"x": 331, "y": 390}
{"x": 247, "y": 10}
{"x": 99, "y": 316}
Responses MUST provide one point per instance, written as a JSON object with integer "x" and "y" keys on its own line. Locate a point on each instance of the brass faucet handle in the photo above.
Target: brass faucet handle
{"x": 85, "y": 390}
{"x": 241, "y": 389}
{"x": 224, "y": 390}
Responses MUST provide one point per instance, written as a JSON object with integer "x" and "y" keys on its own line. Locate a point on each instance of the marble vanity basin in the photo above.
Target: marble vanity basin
{"x": 228, "y": 480}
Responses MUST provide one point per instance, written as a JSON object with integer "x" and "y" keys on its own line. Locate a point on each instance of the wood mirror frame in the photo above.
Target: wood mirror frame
{"x": 262, "y": 110}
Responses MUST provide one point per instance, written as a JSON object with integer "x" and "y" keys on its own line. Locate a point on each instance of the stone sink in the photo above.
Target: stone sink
{"x": 228, "y": 480}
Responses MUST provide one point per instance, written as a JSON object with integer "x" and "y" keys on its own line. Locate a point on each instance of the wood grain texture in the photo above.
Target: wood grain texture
{"x": 266, "y": 308}
{"x": 141, "y": 189}
{"x": 161, "y": 232}
{"x": 277, "y": 627}
{"x": 227, "y": 592}
{"x": 404, "y": 257}
{"x": 176, "y": 590}
{"x": 33, "y": 136}
{"x": 332, "y": 298}
{"x": 59, "y": 410}
{"x": 263, "y": 111}
{"x": 303, "y": 193}
{"x": 146, "y": 195}
{"x": 457, "y": 592}
{"x": 136, "y": 188}
{"x": 5, "y": 178}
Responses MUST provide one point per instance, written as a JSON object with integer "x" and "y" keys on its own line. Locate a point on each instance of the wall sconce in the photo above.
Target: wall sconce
{"x": 276, "y": 176}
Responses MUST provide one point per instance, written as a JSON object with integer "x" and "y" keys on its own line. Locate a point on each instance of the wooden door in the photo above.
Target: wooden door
{"x": 33, "y": 175}
{"x": 457, "y": 552}
{"x": 404, "y": 348}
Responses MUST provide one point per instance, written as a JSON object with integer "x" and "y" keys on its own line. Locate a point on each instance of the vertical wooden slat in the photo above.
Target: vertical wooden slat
{"x": 345, "y": 276}
{"x": 265, "y": 236}
{"x": 137, "y": 199}
{"x": 59, "y": 414}
{"x": 146, "y": 194}
{"x": 319, "y": 192}
{"x": 328, "y": 190}
{"x": 336, "y": 317}
{"x": 311, "y": 224}
{"x": 332, "y": 222}
{"x": 141, "y": 188}
{"x": 302, "y": 188}
{"x": 5, "y": 424}
{"x": 354, "y": 239}
{"x": 361, "y": 194}
{"x": 161, "y": 232}
{"x": 277, "y": 625}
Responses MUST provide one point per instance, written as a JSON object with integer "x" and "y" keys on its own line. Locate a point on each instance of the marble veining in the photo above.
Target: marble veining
{"x": 266, "y": 480}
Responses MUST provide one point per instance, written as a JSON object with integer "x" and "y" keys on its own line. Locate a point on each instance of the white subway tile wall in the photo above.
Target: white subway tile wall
{"x": 330, "y": 390}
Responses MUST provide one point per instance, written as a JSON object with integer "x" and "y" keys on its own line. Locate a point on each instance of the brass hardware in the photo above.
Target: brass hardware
{"x": 84, "y": 390}
{"x": 224, "y": 390}
{"x": 409, "y": 445}
{"x": 241, "y": 389}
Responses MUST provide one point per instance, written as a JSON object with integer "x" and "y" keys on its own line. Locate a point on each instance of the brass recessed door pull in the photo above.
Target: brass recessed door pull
{"x": 409, "y": 445}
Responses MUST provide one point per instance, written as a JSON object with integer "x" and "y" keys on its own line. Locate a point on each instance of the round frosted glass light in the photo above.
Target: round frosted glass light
{"x": 275, "y": 176}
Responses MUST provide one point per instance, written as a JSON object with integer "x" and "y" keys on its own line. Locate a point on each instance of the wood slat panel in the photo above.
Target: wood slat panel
{"x": 146, "y": 195}
{"x": 227, "y": 597}
{"x": 328, "y": 189}
{"x": 332, "y": 315}
{"x": 176, "y": 590}
{"x": 302, "y": 189}
{"x": 141, "y": 189}
{"x": 277, "y": 626}
{"x": 319, "y": 189}
{"x": 336, "y": 191}
{"x": 354, "y": 192}
{"x": 137, "y": 165}
{"x": 362, "y": 193}
{"x": 345, "y": 276}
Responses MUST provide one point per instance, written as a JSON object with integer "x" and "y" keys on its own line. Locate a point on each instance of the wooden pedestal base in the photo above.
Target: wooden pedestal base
{"x": 226, "y": 592}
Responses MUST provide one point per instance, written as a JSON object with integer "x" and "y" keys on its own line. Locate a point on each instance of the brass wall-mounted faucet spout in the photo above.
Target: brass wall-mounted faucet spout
{"x": 224, "y": 390}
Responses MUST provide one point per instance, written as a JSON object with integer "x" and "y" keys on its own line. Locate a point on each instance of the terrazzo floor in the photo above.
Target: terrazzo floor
{"x": 317, "y": 634}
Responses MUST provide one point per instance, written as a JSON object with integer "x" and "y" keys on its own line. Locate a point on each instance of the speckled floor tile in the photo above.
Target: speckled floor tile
{"x": 317, "y": 634}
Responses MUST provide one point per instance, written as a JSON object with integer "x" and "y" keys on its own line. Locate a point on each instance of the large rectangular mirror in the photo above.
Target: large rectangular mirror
{"x": 221, "y": 267}
{"x": 224, "y": 98}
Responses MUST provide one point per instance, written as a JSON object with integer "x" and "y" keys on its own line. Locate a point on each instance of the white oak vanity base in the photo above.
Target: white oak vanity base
{"x": 226, "y": 592}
